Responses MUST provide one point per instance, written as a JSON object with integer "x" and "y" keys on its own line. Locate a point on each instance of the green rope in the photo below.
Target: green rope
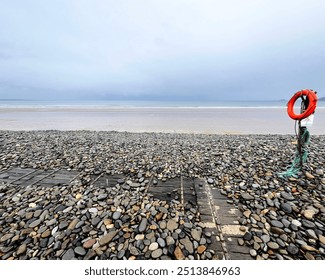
{"x": 300, "y": 156}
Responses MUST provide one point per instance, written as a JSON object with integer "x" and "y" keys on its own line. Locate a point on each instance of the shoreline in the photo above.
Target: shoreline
{"x": 160, "y": 120}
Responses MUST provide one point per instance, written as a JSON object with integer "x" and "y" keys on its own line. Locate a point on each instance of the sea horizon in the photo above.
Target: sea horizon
{"x": 84, "y": 103}
{"x": 25, "y": 103}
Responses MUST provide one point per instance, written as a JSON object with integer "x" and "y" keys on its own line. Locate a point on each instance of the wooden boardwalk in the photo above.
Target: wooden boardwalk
{"x": 220, "y": 217}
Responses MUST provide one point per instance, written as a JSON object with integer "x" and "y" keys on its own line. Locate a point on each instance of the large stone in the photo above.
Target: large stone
{"x": 153, "y": 246}
{"x": 276, "y": 223}
{"x": 321, "y": 239}
{"x": 35, "y": 223}
{"x": 286, "y": 207}
{"x": 308, "y": 248}
{"x": 187, "y": 244}
{"x": 21, "y": 249}
{"x": 117, "y": 215}
{"x": 292, "y": 249}
{"x": 201, "y": 249}
{"x": 287, "y": 196}
{"x": 89, "y": 243}
{"x": 196, "y": 234}
{"x": 172, "y": 225}
{"x": 73, "y": 224}
{"x": 170, "y": 240}
{"x": 80, "y": 251}
{"x": 309, "y": 214}
{"x": 273, "y": 245}
{"x": 157, "y": 253}
{"x": 143, "y": 225}
{"x": 246, "y": 196}
{"x": 68, "y": 255}
{"x": 179, "y": 254}
{"x": 6, "y": 237}
{"x": 107, "y": 238}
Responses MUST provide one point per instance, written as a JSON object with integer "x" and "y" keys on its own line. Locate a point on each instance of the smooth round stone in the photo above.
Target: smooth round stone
{"x": 6, "y": 237}
{"x": 308, "y": 224}
{"x": 121, "y": 254}
{"x": 277, "y": 230}
{"x": 68, "y": 255}
{"x": 187, "y": 225}
{"x": 134, "y": 251}
{"x": 163, "y": 210}
{"x": 252, "y": 252}
{"x": 157, "y": 253}
{"x": 210, "y": 181}
{"x": 287, "y": 196}
{"x": 256, "y": 246}
{"x": 201, "y": 249}
{"x": 139, "y": 237}
{"x": 170, "y": 240}
{"x": 203, "y": 241}
{"x": 22, "y": 249}
{"x": 269, "y": 202}
{"x": 292, "y": 249}
{"x": 196, "y": 234}
{"x": 257, "y": 239}
{"x": 51, "y": 222}
{"x": 280, "y": 242}
{"x": 247, "y": 236}
{"x": 102, "y": 196}
{"x": 116, "y": 215}
{"x": 67, "y": 210}
{"x": 273, "y": 245}
{"x": 161, "y": 242}
{"x": 276, "y": 223}
{"x": 311, "y": 234}
{"x": 63, "y": 225}
{"x": 246, "y": 196}
{"x": 286, "y": 207}
{"x": 93, "y": 210}
{"x": 240, "y": 241}
{"x": 309, "y": 214}
{"x": 80, "y": 251}
{"x": 285, "y": 222}
{"x": 32, "y": 205}
{"x": 153, "y": 246}
{"x": 37, "y": 213}
{"x": 95, "y": 221}
{"x": 172, "y": 225}
{"x": 46, "y": 234}
{"x": 120, "y": 181}
{"x": 300, "y": 242}
{"x": 35, "y": 223}
{"x": 308, "y": 248}
{"x": 146, "y": 242}
{"x": 187, "y": 244}
{"x": 143, "y": 225}
{"x": 163, "y": 224}
{"x": 89, "y": 243}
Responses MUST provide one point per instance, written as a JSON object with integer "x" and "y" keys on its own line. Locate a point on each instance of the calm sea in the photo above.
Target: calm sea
{"x": 135, "y": 103}
{"x": 19, "y": 103}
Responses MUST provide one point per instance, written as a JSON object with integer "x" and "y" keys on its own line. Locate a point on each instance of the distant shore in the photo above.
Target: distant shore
{"x": 195, "y": 120}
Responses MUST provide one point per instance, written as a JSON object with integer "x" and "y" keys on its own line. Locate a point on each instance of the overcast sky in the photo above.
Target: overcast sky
{"x": 155, "y": 49}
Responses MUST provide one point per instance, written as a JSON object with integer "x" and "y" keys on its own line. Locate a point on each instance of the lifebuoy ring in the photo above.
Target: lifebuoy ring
{"x": 312, "y": 101}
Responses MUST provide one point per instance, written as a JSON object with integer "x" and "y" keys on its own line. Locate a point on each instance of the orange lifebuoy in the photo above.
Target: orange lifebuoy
{"x": 312, "y": 101}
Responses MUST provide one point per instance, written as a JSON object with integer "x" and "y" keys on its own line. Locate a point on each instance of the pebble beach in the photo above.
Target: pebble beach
{"x": 282, "y": 218}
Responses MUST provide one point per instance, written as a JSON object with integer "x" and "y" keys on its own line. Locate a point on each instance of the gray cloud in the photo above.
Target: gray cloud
{"x": 161, "y": 49}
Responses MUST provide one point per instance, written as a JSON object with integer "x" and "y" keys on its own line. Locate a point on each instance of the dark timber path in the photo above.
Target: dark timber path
{"x": 220, "y": 218}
